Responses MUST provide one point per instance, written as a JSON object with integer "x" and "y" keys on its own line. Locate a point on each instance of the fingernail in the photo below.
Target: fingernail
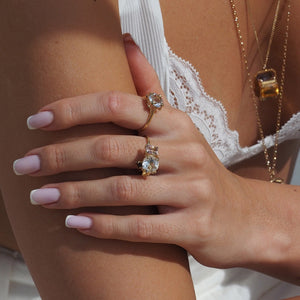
{"x": 44, "y": 196}
{"x": 39, "y": 120}
{"x": 128, "y": 39}
{"x": 78, "y": 222}
{"x": 26, "y": 165}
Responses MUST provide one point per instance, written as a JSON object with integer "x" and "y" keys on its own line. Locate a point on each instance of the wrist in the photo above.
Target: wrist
{"x": 268, "y": 246}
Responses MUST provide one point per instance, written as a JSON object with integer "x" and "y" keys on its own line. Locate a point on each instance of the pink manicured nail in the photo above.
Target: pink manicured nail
{"x": 26, "y": 165}
{"x": 39, "y": 120}
{"x": 44, "y": 196}
{"x": 128, "y": 40}
{"x": 78, "y": 222}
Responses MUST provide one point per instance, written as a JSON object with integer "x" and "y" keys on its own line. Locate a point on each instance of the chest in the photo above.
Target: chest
{"x": 204, "y": 33}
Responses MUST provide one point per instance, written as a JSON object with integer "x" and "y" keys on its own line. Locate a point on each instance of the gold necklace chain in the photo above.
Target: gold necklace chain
{"x": 271, "y": 166}
{"x": 264, "y": 63}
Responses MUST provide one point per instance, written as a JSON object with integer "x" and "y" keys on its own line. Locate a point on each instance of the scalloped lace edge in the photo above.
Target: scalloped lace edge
{"x": 233, "y": 133}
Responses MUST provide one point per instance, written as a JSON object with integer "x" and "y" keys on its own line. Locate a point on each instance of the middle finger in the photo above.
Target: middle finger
{"x": 90, "y": 153}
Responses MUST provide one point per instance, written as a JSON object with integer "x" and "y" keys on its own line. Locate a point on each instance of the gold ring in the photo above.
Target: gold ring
{"x": 154, "y": 102}
{"x": 150, "y": 164}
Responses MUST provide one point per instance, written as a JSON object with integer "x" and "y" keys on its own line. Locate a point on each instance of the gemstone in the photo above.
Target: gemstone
{"x": 150, "y": 164}
{"x": 155, "y": 100}
{"x": 266, "y": 85}
{"x": 150, "y": 149}
{"x": 277, "y": 180}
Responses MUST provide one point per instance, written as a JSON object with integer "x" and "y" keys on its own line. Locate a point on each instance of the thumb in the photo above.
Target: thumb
{"x": 145, "y": 79}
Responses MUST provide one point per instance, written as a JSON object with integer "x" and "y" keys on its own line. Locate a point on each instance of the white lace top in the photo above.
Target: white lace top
{"x": 183, "y": 86}
{"x": 184, "y": 90}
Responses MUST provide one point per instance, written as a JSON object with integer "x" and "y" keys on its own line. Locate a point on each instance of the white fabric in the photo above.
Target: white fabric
{"x": 209, "y": 115}
{"x": 184, "y": 90}
{"x": 183, "y": 87}
{"x": 15, "y": 280}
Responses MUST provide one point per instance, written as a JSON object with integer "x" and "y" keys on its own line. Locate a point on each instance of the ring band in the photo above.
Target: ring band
{"x": 154, "y": 102}
{"x": 150, "y": 164}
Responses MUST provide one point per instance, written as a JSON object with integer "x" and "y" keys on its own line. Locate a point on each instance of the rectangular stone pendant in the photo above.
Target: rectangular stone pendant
{"x": 266, "y": 85}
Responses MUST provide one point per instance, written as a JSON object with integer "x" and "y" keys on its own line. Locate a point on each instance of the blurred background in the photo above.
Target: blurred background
{"x": 296, "y": 175}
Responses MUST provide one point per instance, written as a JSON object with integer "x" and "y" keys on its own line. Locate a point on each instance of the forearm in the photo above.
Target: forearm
{"x": 56, "y": 51}
{"x": 272, "y": 241}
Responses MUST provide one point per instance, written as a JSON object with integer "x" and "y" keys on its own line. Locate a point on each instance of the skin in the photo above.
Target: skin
{"x": 52, "y": 55}
{"x": 247, "y": 187}
{"x": 213, "y": 210}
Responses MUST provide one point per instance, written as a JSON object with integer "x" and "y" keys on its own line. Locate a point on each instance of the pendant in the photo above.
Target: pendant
{"x": 277, "y": 180}
{"x": 265, "y": 85}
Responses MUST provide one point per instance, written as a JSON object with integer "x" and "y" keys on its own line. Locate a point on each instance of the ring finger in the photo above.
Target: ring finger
{"x": 111, "y": 191}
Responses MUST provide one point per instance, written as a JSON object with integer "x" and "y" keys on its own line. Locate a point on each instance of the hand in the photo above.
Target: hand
{"x": 202, "y": 206}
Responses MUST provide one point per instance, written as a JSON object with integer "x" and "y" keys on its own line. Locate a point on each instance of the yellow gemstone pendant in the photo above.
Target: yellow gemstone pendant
{"x": 266, "y": 85}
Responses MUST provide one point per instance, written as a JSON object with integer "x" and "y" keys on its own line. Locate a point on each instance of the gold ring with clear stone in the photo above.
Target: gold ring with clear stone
{"x": 150, "y": 164}
{"x": 154, "y": 102}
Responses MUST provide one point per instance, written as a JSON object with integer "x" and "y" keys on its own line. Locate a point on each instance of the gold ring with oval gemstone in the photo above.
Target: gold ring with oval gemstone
{"x": 154, "y": 102}
{"x": 150, "y": 164}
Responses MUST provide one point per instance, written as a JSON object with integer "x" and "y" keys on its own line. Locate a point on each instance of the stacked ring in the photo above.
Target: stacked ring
{"x": 154, "y": 102}
{"x": 150, "y": 164}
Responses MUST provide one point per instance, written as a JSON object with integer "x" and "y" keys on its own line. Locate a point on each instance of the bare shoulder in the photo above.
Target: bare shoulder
{"x": 39, "y": 35}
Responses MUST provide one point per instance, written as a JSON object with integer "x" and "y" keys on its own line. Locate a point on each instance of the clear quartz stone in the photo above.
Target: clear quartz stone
{"x": 155, "y": 100}
{"x": 150, "y": 164}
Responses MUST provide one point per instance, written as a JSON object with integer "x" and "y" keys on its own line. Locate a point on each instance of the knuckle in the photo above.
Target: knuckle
{"x": 200, "y": 189}
{"x": 203, "y": 227}
{"x": 142, "y": 230}
{"x": 114, "y": 102}
{"x": 185, "y": 122}
{"x": 123, "y": 189}
{"x": 71, "y": 195}
{"x": 107, "y": 149}
{"x": 69, "y": 111}
{"x": 106, "y": 229}
{"x": 196, "y": 152}
{"x": 194, "y": 187}
{"x": 54, "y": 157}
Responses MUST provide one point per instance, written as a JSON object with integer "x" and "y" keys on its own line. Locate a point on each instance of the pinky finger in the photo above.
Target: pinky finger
{"x": 134, "y": 228}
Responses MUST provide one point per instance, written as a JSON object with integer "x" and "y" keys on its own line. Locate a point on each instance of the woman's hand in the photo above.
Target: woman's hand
{"x": 202, "y": 206}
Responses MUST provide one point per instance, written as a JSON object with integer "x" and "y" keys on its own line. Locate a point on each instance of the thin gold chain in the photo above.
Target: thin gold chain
{"x": 264, "y": 62}
{"x": 271, "y": 166}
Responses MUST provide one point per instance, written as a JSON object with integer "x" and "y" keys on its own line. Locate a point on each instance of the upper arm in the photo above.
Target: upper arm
{"x": 52, "y": 50}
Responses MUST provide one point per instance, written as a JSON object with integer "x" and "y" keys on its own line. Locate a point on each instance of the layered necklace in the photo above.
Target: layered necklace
{"x": 265, "y": 86}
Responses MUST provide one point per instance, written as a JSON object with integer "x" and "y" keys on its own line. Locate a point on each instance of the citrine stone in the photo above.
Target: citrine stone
{"x": 266, "y": 85}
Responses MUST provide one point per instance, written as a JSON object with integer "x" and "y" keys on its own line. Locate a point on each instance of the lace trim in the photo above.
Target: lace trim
{"x": 210, "y": 117}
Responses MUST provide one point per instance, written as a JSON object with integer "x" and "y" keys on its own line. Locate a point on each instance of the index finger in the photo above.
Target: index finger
{"x": 126, "y": 110}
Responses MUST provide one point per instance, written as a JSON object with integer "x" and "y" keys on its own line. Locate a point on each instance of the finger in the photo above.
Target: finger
{"x": 144, "y": 76}
{"x": 112, "y": 191}
{"x": 134, "y": 228}
{"x": 92, "y": 153}
{"x": 126, "y": 110}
